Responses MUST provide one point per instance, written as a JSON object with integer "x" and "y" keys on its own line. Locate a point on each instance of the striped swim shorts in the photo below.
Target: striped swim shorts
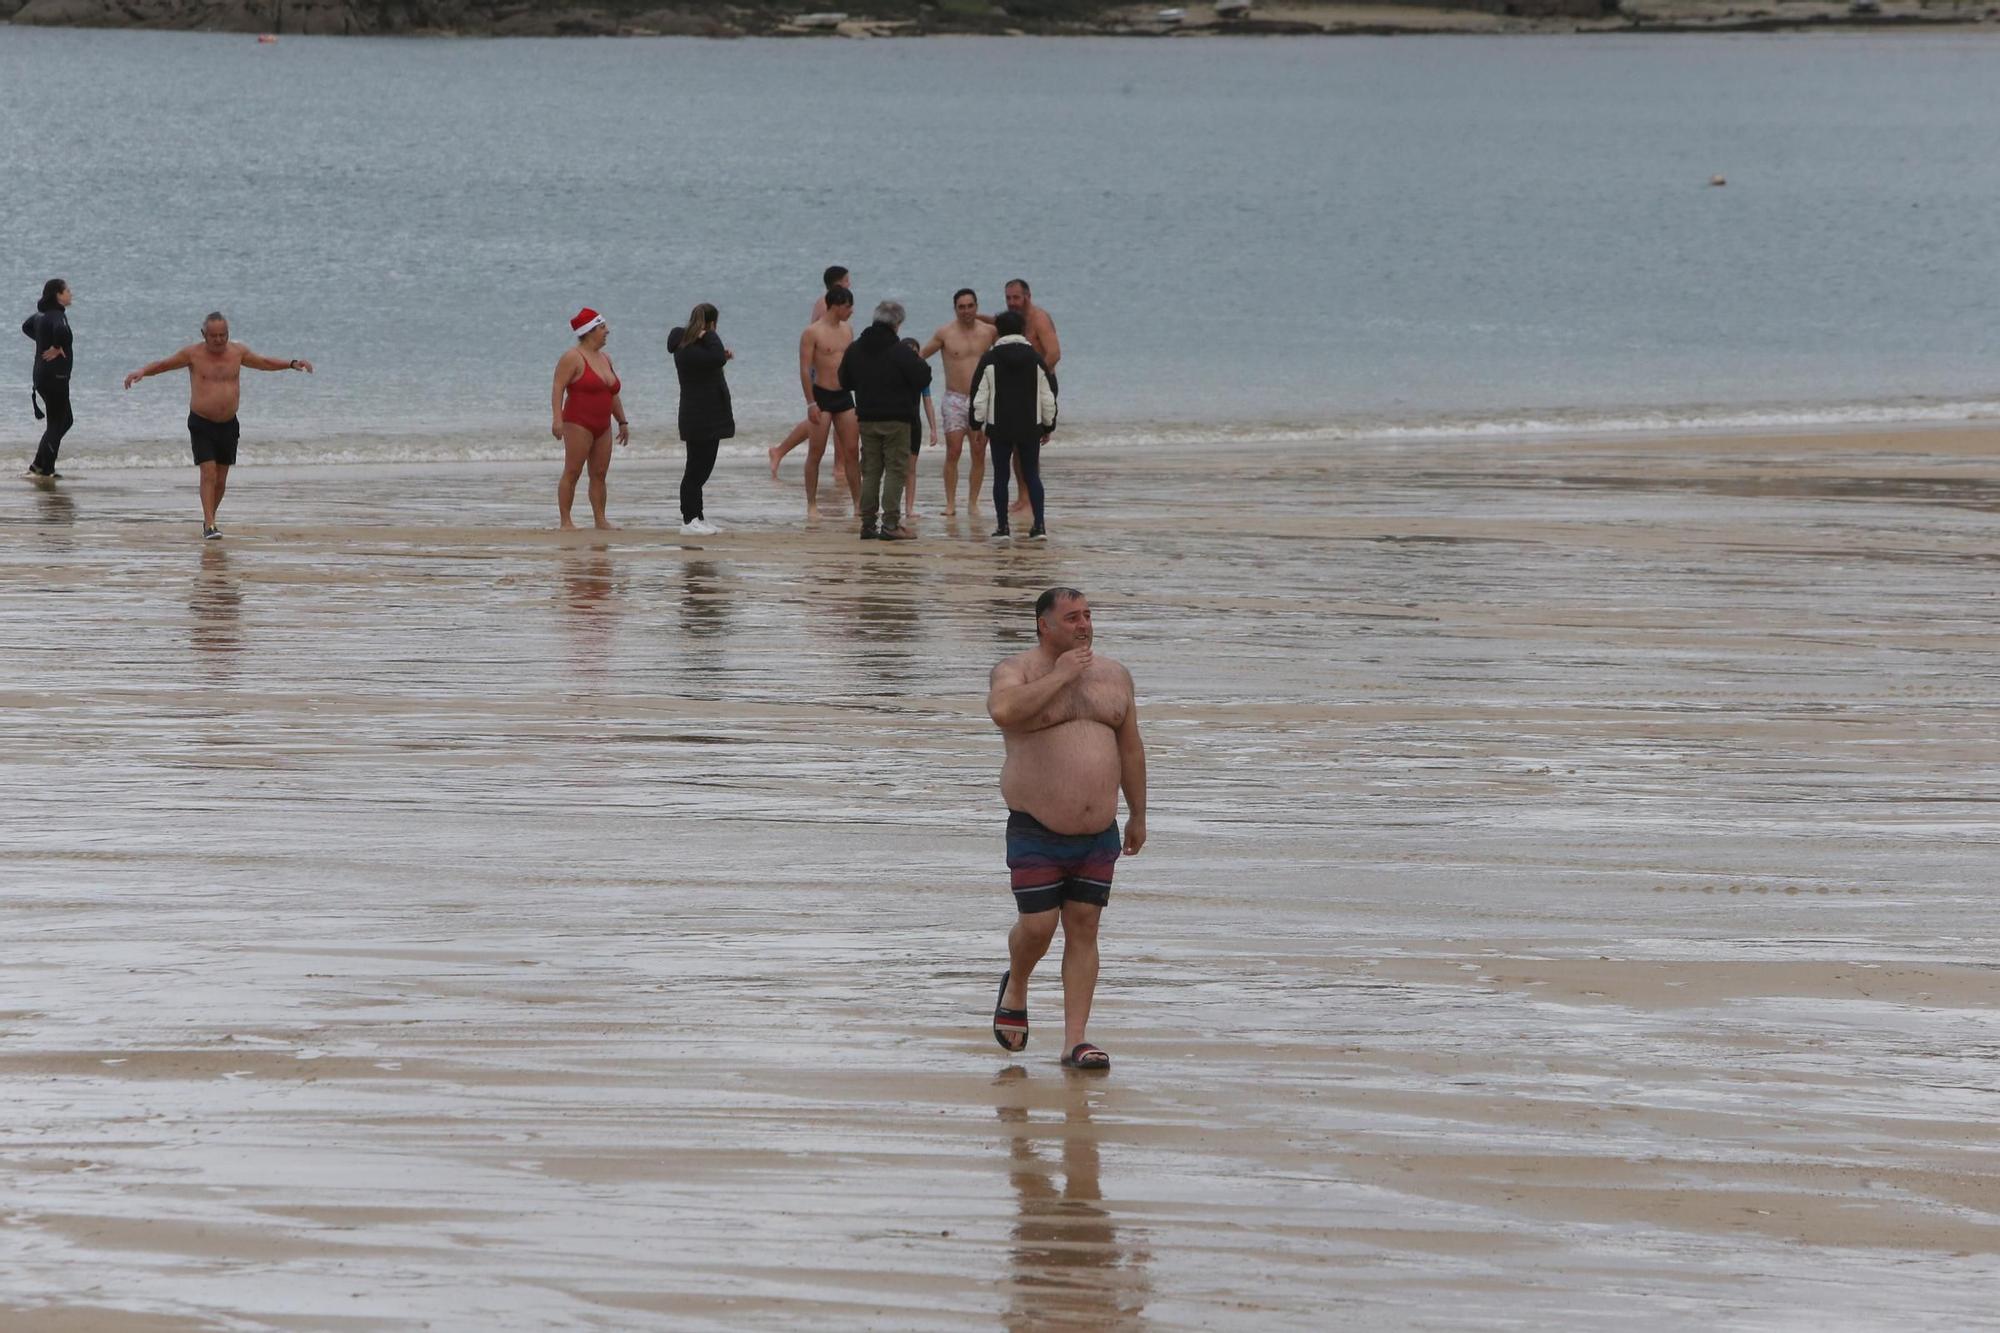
{"x": 1050, "y": 868}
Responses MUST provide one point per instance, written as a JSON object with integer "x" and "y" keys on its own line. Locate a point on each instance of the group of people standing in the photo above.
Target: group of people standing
{"x": 869, "y": 395}
{"x": 866, "y": 394}
{"x": 1000, "y": 393}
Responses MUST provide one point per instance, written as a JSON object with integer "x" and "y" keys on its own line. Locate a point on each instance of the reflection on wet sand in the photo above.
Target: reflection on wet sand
{"x": 704, "y": 604}
{"x": 215, "y": 608}
{"x": 1560, "y": 898}
{"x": 590, "y": 605}
{"x": 1070, "y": 1267}
{"x": 55, "y": 508}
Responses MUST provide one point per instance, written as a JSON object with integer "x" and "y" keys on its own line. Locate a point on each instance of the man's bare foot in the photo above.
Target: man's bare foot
{"x": 773, "y": 454}
{"x": 1020, "y": 506}
{"x": 567, "y": 526}
{"x": 949, "y": 512}
{"x": 606, "y": 525}
{"x": 812, "y": 513}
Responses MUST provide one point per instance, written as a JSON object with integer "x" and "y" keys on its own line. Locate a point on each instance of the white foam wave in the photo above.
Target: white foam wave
{"x": 498, "y": 445}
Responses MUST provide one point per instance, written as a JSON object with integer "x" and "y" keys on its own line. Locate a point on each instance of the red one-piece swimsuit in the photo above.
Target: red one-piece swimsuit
{"x": 588, "y": 402}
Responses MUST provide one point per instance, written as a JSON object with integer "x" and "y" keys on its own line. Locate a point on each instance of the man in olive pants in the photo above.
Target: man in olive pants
{"x": 887, "y": 379}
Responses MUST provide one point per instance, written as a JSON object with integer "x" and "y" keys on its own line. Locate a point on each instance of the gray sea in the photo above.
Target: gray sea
{"x": 1335, "y": 237}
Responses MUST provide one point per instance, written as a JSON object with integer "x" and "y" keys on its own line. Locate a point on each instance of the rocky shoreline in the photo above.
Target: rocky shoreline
{"x": 911, "y": 18}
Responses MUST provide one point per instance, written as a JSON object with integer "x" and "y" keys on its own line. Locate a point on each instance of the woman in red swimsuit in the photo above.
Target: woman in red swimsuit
{"x": 583, "y": 403}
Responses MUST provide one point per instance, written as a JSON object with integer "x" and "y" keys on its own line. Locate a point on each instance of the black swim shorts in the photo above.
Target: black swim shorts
{"x": 833, "y": 400}
{"x": 1050, "y": 868}
{"x": 214, "y": 441}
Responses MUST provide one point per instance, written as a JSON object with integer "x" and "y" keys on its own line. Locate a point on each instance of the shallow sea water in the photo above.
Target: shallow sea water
{"x": 1357, "y": 234}
{"x": 1569, "y": 898}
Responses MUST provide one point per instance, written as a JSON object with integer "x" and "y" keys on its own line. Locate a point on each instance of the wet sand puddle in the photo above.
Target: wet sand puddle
{"x": 1569, "y": 899}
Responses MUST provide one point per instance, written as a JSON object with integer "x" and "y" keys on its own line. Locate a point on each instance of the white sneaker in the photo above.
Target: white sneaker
{"x": 694, "y": 527}
{"x": 708, "y": 529}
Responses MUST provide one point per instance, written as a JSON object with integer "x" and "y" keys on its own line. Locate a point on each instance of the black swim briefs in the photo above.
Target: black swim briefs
{"x": 1050, "y": 868}
{"x": 214, "y": 441}
{"x": 833, "y": 400}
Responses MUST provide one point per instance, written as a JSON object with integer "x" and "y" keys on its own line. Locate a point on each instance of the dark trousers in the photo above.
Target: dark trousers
{"x": 55, "y": 401}
{"x": 1030, "y": 452}
{"x": 700, "y": 463}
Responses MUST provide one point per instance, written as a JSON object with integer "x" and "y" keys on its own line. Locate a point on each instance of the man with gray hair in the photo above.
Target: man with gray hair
{"x": 215, "y": 368}
{"x": 887, "y": 379}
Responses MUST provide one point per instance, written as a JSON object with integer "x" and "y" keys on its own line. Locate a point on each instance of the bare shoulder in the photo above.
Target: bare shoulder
{"x": 1011, "y": 670}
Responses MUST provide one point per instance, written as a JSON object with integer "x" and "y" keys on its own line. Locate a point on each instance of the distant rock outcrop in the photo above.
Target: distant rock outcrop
{"x": 358, "y": 18}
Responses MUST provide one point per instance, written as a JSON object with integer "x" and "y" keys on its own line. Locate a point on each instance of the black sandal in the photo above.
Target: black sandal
{"x": 1086, "y": 1056}
{"x": 1009, "y": 1022}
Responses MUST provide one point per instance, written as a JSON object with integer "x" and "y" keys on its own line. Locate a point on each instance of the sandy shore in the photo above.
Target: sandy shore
{"x": 1570, "y": 899}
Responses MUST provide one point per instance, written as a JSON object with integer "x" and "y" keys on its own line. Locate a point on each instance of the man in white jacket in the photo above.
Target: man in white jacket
{"x": 1014, "y": 403}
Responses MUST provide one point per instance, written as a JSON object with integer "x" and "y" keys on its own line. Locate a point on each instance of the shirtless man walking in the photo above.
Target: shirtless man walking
{"x": 215, "y": 368}
{"x": 1072, "y": 731}
{"x": 836, "y": 275}
{"x": 963, "y": 342}
{"x": 828, "y": 406}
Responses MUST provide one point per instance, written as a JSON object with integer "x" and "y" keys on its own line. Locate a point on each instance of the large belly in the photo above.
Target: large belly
{"x": 215, "y": 399}
{"x": 1065, "y": 776}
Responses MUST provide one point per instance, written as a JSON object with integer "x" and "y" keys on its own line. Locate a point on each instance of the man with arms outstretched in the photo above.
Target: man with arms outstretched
{"x": 963, "y": 342}
{"x": 828, "y": 406}
{"x": 215, "y": 368}
{"x": 1071, "y": 725}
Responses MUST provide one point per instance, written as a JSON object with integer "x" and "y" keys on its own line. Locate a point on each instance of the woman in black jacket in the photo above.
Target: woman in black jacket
{"x": 54, "y": 361}
{"x": 705, "y": 417}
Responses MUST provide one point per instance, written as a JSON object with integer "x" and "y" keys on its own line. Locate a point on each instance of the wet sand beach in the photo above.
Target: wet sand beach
{"x": 1569, "y": 898}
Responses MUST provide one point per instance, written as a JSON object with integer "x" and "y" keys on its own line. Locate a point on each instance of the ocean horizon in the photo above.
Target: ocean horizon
{"x": 1338, "y": 240}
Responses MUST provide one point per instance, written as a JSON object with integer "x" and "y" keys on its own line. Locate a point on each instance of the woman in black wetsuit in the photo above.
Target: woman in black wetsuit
{"x": 54, "y": 363}
{"x": 705, "y": 417}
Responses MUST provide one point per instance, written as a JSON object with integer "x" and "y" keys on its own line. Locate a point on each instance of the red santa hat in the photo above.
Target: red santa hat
{"x": 586, "y": 319}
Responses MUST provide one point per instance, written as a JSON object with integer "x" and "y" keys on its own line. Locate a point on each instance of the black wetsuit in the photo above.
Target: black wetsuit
{"x": 50, "y": 329}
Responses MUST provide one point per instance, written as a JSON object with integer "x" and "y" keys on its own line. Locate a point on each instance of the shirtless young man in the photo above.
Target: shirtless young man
{"x": 215, "y": 368}
{"x": 1041, "y": 334}
{"x": 1072, "y": 731}
{"x": 836, "y": 275}
{"x": 963, "y": 342}
{"x": 821, "y": 347}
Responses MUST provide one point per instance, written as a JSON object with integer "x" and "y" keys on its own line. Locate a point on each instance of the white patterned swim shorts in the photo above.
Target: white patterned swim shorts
{"x": 957, "y": 411}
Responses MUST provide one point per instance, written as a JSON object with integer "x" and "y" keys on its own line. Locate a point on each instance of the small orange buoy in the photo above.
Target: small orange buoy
{"x": 267, "y": 39}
